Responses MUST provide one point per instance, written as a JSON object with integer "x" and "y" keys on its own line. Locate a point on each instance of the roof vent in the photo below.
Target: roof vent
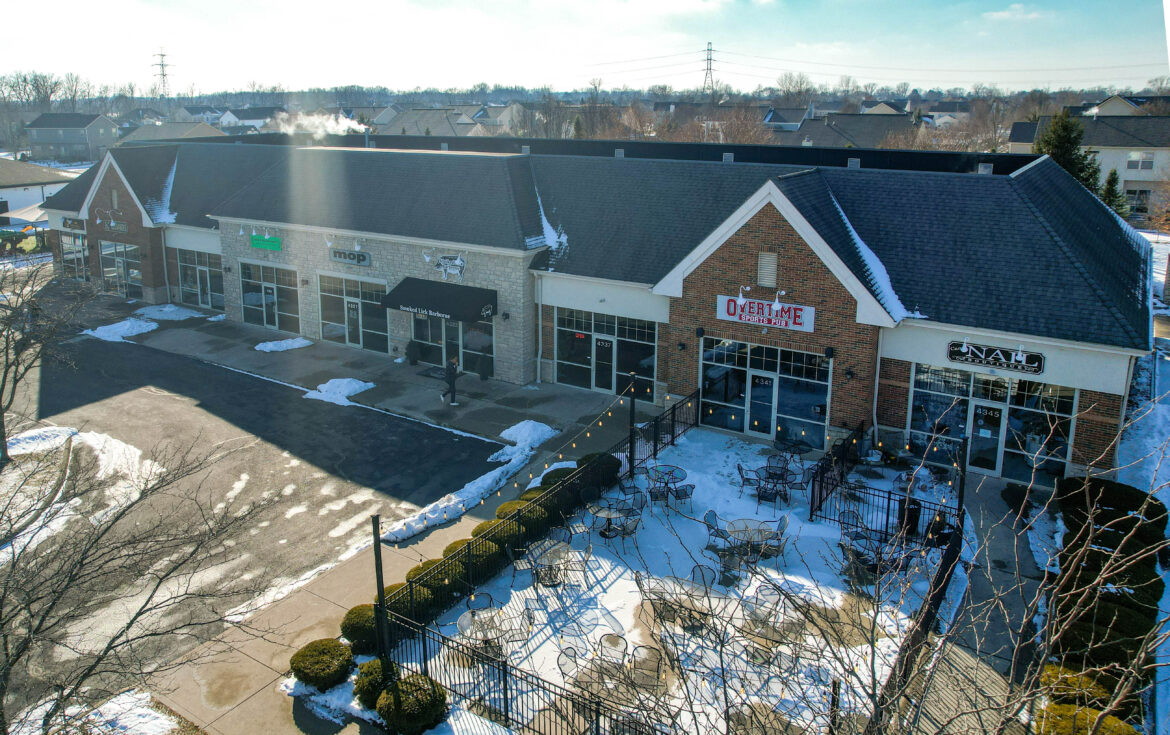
{"x": 443, "y": 147}
{"x": 619, "y": 152}
{"x": 853, "y": 163}
{"x": 729, "y": 158}
{"x": 525, "y": 150}
{"x": 986, "y": 168}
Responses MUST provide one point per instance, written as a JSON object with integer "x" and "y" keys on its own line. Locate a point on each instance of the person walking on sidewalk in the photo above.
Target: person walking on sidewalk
{"x": 450, "y": 373}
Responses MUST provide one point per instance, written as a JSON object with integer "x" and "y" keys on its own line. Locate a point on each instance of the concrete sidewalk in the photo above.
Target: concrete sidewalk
{"x": 229, "y": 685}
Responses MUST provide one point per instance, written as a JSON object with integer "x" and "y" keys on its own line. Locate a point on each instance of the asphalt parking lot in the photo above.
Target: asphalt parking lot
{"x": 329, "y": 466}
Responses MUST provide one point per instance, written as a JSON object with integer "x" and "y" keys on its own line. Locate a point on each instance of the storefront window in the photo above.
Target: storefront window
{"x": 472, "y": 343}
{"x": 601, "y": 350}
{"x": 121, "y": 269}
{"x": 352, "y": 313}
{"x": 74, "y": 257}
{"x": 270, "y": 296}
{"x": 794, "y": 386}
{"x": 200, "y": 279}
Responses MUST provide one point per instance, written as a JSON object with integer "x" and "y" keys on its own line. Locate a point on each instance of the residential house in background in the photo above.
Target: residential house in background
{"x": 884, "y": 107}
{"x": 71, "y": 136}
{"x": 198, "y": 113}
{"x": 238, "y": 129}
{"x": 945, "y": 113}
{"x": 787, "y": 118}
{"x": 387, "y": 114}
{"x": 27, "y": 184}
{"x": 861, "y": 130}
{"x": 254, "y": 116}
{"x": 434, "y": 121}
{"x": 1136, "y": 145}
{"x": 171, "y": 131}
{"x": 1123, "y": 105}
{"x": 501, "y": 119}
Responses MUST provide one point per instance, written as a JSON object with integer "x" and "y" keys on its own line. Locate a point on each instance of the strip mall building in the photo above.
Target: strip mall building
{"x": 802, "y": 301}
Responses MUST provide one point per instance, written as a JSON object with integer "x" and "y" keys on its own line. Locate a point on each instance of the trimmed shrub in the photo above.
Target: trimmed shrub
{"x": 1067, "y": 686}
{"x": 605, "y": 471}
{"x": 486, "y": 557}
{"x": 424, "y": 601}
{"x": 358, "y": 628}
{"x": 533, "y": 517}
{"x": 1069, "y": 719}
{"x": 553, "y": 477}
{"x": 510, "y": 533}
{"x": 442, "y": 584}
{"x": 371, "y": 683}
{"x": 422, "y": 705}
{"x": 323, "y": 663}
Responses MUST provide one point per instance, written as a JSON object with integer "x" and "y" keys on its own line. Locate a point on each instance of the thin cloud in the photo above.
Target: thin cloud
{"x": 1016, "y": 13}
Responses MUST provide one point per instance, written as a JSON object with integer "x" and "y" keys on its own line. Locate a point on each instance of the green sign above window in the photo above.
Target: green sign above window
{"x": 265, "y": 243}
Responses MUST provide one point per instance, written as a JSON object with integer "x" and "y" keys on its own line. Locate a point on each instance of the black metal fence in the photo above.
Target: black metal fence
{"x": 508, "y": 695}
{"x": 832, "y": 469}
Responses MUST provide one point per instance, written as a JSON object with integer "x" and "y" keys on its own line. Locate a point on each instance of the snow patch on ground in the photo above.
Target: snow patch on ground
{"x": 1046, "y": 538}
{"x": 167, "y": 312}
{"x": 131, "y": 712}
{"x": 41, "y": 439}
{"x": 339, "y": 390}
{"x": 283, "y": 345}
{"x": 527, "y": 434}
{"x": 26, "y": 261}
{"x": 283, "y": 588}
{"x": 217, "y": 318}
{"x": 118, "y": 331}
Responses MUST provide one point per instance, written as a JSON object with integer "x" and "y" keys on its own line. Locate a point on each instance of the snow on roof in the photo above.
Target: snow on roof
{"x": 160, "y": 209}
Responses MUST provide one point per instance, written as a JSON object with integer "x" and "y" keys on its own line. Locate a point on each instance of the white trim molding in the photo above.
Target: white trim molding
{"x": 869, "y": 309}
{"x": 107, "y": 162}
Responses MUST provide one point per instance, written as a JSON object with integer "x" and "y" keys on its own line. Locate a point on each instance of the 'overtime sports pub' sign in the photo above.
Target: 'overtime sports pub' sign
{"x": 996, "y": 357}
{"x": 766, "y": 313}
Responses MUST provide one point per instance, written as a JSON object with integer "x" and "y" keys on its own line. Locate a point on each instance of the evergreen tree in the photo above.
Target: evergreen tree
{"x": 427, "y": 131}
{"x": 1112, "y": 194}
{"x": 1062, "y": 141}
{"x": 578, "y": 128}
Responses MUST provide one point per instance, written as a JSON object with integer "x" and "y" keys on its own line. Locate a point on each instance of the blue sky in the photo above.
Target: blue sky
{"x": 402, "y": 44}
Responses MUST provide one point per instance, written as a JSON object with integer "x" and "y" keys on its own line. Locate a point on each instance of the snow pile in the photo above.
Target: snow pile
{"x": 1046, "y": 538}
{"x": 528, "y": 435}
{"x": 339, "y": 390}
{"x": 42, "y": 439}
{"x": 217, "y": 318}
{"x": 879, "y": 278}
{"x": 283, "y": 345}
{"x": 167, "y": 312}
{"x": 338, "y": 704}
{"x": 556, "y": 240}
{"x": 129, "y": 712}
{"x": 282, "y": 589}
{"x": 118, "y": 331}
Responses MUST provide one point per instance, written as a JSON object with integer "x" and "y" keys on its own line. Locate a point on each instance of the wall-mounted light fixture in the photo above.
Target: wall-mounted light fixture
{"x": 776, "y": 301}
{"x": 829, "y": 352}
{"x": 304, "y": 281}
{"x": 227, "y": 269}
{"x": 241, "y": 230}
{"x": 505, "y": 316}
{"x": 682, "y": 346}
{"x": 699, "y": 332}
{"x": 740, "y": 300}
{"x": 849, "y": 374}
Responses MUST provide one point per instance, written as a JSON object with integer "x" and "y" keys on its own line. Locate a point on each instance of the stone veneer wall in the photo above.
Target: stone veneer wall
{"x": 306, "y": 252}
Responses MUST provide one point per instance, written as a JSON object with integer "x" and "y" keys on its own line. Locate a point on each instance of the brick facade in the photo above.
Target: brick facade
{"x": 1098, "y": 419}
{"x": 807, "y": 281}
{"x": 391, "y": 261}
{"x": 893, "y": 393}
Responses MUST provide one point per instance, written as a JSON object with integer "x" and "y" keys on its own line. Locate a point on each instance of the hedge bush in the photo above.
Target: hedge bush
{"x": 358, "y": 628}
{"x": 323, "y": 663}
{"x": 486, "y": 557}
{"x": 554, "y": 477}
{"x": 534, "y": 517}
{"x": 1069, "y": 719}
{"x": 605, "y": 471}
{"x": 510, "y": 533}
{"x": 1111, "y": 500}
{"x": 1067, "y": 686}
{"x": 422, "y": 705}
{"x": 424, "y": 601}
{"x": 371, "y": 683}
{"x": 442, "y": 584}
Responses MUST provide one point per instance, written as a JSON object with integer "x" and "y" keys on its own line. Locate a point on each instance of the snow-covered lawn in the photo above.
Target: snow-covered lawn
{"x": 129, "y": 713}
{"x": 283, "y": 345}
{"x": 788, "y": 671}
{"x": 118, "y": 331}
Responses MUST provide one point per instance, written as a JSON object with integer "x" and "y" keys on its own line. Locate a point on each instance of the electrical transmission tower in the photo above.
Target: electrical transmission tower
{"x": 161, "y": 65}
{"x": 708, "y": 79}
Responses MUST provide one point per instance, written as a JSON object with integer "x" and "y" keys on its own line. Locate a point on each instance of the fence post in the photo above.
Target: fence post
{"x": 657, "y": 437}
{"x": 596, "y": 717}
{"x": 633, "y": 427}
{"x": 468, "y": 578}
{"x": 503, "y": 667}
{"x": 380, "y": 608}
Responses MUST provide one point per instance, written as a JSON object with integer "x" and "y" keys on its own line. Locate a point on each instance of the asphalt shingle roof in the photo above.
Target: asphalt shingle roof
{"x": 837, "y": 130}
{"x": 475, "y": 199}
{"x": 64, "y": 120}
{"x": 1107, "y": 131}
{"x": 170, "y": 131}
{"x": 73, "y": 195}
{"x": 19, "y": 173}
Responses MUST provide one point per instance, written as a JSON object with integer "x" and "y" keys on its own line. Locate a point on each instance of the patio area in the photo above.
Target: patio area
{"x": 700, "y": 598}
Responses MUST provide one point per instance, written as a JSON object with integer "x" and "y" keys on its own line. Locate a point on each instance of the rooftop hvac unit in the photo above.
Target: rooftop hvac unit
{"x": 986, "y": 168}
{"x": 619, "y": 152}
{"x": 729, "y": 158}
{"x": 853, "y": 163}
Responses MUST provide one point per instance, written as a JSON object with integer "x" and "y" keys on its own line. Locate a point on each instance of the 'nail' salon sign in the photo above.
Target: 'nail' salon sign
{"x": 766, "y": 313}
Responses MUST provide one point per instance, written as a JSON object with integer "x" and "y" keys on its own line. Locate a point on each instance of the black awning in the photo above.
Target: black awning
{"x": 446, "y": 300}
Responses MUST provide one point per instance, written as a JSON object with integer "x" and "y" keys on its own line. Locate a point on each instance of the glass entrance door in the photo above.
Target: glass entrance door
{"x": 761, "y": 398}
{"x": 269, "y": 305}
{"x": 451, "y": 338}
{"x": 204, "y": 287}
{"x": 985, "y": 432}
{"x": 603, "y": 363}
{"x": 353, "y": 322}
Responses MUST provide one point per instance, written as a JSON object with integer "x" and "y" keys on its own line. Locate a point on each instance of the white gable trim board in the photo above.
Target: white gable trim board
{"x": 869, "y": 310}
{"x": 107, "y": 164}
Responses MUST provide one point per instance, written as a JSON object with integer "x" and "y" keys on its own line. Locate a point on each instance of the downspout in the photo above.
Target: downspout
{"x": 877, "y": 376}
{"x": 538, "y": 286}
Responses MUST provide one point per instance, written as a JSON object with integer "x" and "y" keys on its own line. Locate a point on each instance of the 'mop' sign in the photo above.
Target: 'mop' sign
{"x": 766, "y": 313}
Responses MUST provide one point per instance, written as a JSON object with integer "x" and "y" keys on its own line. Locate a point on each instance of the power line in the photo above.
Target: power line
{"x": 651, "y": 68}
{"x": 967, "y": 71}
{"x": 161, "y": 64}
{"x": 647, "y": 58}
